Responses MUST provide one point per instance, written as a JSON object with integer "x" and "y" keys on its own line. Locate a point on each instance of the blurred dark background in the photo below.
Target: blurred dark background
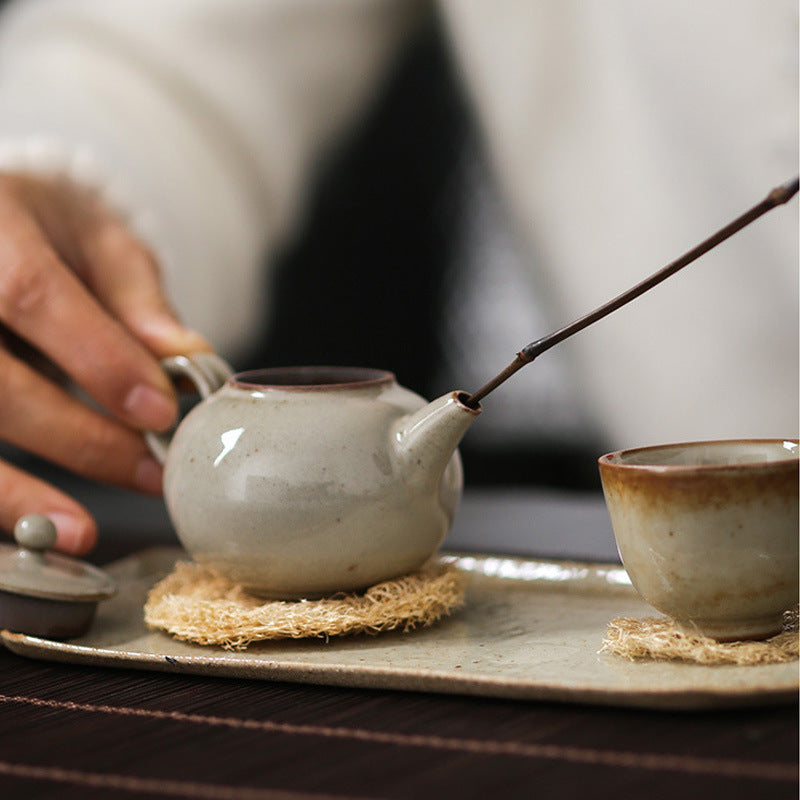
{"x": 365, "y": 282}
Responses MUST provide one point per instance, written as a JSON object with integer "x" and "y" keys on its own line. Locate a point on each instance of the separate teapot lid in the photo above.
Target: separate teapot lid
{"x": 32, "y": 571}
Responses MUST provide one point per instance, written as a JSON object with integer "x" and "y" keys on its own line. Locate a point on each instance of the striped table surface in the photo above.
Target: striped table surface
{"x": 74, "y": 731}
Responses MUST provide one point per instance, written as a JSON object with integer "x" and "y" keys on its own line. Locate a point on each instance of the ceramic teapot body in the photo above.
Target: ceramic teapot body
{"x": 307, "y": 481}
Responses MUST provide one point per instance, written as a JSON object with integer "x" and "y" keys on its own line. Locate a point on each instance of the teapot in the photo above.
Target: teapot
{"x": 306, "y": 481}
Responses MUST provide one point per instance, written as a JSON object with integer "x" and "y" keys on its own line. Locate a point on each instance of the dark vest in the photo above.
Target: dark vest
{"x": 363, "y": 282}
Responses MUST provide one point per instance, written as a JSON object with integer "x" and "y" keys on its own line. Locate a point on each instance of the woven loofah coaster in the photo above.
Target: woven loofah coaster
{"x": 661, "y": 639}
{"x": 195, "y": 604}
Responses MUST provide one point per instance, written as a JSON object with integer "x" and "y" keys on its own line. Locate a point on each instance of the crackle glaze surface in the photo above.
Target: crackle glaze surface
{"x": 708, "y": 531}
{"x": 305, "y": 490}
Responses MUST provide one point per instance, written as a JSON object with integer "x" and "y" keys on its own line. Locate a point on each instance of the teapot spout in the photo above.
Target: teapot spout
{"x": 426, "y": 440}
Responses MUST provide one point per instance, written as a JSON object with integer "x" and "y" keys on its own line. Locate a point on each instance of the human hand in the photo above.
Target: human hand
{"x": 80, "y": 298}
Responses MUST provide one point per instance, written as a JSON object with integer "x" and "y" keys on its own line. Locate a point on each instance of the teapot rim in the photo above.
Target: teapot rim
{"x": 311, "y": 378}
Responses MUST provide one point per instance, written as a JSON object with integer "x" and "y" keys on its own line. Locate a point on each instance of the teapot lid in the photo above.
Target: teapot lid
{"x": 32, "y": 571}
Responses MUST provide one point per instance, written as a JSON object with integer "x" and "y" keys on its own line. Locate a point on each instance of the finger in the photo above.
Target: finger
{"x": 45, "y": 303}
{"x": 22, "y": 494}
{"x": 41, "y": 418}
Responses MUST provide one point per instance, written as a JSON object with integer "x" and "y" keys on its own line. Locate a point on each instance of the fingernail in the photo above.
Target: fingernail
{"x": 76, "y": 536}
{"x": 149, "y": 475}
{"x": 150, "y": 408}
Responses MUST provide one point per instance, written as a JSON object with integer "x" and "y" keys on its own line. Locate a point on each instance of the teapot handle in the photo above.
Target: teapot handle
{"x": 207, "y": 372}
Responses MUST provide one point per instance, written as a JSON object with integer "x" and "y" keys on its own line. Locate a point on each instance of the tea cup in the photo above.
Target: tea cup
{"x": 708, "y": 531}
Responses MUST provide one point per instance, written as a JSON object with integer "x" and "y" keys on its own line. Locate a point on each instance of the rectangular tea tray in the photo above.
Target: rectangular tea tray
{"x": 530, "y": 630}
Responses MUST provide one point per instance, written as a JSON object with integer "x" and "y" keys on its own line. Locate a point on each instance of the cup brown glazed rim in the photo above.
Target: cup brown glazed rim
{"x": 791, "y": 462}
{"x": 311, "y": 378}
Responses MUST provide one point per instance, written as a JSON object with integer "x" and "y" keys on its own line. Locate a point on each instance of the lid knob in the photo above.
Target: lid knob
{"x": 35, "y": 532}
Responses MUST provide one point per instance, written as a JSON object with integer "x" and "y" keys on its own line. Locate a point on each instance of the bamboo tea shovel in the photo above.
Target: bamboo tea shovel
{"x": 776, "y": 197}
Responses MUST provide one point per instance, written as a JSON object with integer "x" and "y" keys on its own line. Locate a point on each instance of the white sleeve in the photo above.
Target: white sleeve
{"x": 622, "y": 134}
{"x": 210, "y": 116}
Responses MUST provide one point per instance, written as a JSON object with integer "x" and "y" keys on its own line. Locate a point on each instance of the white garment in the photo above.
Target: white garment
{"x": 621, "y": 132}
{"x": 624, "y": 132}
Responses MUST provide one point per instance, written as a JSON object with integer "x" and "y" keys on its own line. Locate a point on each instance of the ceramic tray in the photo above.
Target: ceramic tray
{"x": 530, "y": 629}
